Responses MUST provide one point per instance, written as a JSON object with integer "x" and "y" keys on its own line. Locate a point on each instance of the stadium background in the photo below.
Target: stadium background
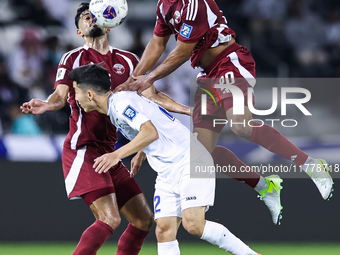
{"x": 287, "y": 38}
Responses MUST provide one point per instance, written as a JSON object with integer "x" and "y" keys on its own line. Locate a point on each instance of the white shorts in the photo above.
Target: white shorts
{"x": 179, "y": 191}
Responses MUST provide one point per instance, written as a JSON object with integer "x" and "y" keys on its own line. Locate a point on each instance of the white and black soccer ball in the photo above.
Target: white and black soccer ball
{"x": 108, "y": 13}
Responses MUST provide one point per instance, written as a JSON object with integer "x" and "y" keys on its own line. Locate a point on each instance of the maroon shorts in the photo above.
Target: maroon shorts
{"x": 234, "y": 66}
{"x": 82, "y": 181}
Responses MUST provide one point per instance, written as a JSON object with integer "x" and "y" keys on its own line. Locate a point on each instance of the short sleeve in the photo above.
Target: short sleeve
{"x": 195, "y": 23}
{"x": 129, "y": 111}
{"x": 161, "y": 29}
{"x": 64, "y": 68}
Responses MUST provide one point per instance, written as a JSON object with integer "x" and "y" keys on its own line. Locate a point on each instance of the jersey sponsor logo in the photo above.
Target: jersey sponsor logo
{"x": 190, "y": 198}
{"x": 177, "y": 17}
{"x": 119, "y": 69}
{"x": 60, "y": 74}
{"x": 186, "y": 30}
{"x": 130, "y": 113}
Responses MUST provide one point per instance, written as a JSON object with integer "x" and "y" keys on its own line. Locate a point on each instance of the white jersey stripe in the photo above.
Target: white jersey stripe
{"x": 71, "y": 179}
{"x": 244, "y": 72}
{"x": 162, "y": 12}
{"x": 67, "y": 55}
{"x": 192, "y": 9}
{"x": 196, "y": 10}
{"x": 128, "y": 61}
{"x": 211, "y": 15}
{"x": 74, "y": 139}
{"x": 133, "y": 54}
{"x": 188, "y": 10}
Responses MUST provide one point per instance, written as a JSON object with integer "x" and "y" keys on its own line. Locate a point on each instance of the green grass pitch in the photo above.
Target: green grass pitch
{"x": 186, "y": 249}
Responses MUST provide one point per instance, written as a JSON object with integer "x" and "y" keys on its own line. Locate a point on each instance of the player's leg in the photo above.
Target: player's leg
{"x": 197, "y": 192}
{"x": 208, "y": 136}
{"x": 194, "y": 222}
{"x": 271, "y": 139}
{"x": 166, "y": 232}
{"x": 140, "y": 218}
{"x": 136, "y": 210}
{"x": 224, "y": 157}
{"x": 105, "y": 210}
{"x": 167, "y": 210}
{"x": 96, "y": 190}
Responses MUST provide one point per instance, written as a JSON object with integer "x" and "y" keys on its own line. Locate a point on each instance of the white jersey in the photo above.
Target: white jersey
{"x": 128, "y": 111}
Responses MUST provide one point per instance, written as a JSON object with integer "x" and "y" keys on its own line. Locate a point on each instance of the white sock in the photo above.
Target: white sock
{"x": 261, "y": 185}
{"x": 218, "y": 234}
{"x": 168, "y": 248}
{"x": 308, "y": 165}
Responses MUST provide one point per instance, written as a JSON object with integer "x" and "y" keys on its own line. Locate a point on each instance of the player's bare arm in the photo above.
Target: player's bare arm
{"x": 54, "y": 102}
{"x": 136, "y": 163}
{"x": 147, "y": 134}
{"x": 165, "y": 101}
{"x": 175, "y": 59}
{"x": 151, "y": 54}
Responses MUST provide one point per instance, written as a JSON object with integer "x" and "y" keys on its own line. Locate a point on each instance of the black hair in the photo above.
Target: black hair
{"x": 82, "y": 7}
{"x": 92, "y": 77}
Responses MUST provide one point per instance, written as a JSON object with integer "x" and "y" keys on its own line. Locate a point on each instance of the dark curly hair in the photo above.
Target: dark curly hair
{"x": 82, "y": 7}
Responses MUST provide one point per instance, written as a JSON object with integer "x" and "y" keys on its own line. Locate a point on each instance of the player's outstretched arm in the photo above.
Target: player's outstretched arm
{"x": 151, "y": 54}
{"x": 55, "y": 101}
{"x": 165, "y": 101}
{"x": 147, "y": 134}
{"x": 175, "y": 59}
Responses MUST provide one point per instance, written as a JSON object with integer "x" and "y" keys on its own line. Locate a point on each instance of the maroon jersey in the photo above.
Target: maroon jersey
{"x": 193, "y": 21}
{"x": 93, "y": 128}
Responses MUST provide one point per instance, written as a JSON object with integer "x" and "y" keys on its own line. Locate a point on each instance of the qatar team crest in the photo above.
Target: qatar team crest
{"x": 119, "y": 69}
{"x": 177, "y": 17}
{"x": 109, "y": 13}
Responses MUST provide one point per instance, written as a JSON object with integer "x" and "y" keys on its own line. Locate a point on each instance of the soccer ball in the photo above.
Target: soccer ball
{"x": 108, "y": 13}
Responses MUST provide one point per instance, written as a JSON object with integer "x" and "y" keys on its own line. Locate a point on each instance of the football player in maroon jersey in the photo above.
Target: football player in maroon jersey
{"x": 203, "y": 36}
{"x": 92, "y": 135}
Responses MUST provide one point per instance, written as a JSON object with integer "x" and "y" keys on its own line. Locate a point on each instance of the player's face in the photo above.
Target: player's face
{"x": 83, "y": 98}
{"x": 88, "y": 28}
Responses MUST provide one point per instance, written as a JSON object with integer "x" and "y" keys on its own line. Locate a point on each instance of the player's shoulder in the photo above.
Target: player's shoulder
{"x": 124, "y": 53}
{"x": 71, "y": 55}
{"x": 126, "y": 96}
{"x": 124, "y": 100}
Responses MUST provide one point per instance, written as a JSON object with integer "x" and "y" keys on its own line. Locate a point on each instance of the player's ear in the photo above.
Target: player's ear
{"x": 80, "y": 33}
{"x": 90, "y": 94}
{"x": 108, "y": 30}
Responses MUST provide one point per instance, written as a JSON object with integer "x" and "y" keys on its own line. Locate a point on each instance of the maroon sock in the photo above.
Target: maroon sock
{"x": 93, "y": 238}
{"x": 131, "y": 241}
{"x": 224, "y": 157}
{"x": 271, "y": 139}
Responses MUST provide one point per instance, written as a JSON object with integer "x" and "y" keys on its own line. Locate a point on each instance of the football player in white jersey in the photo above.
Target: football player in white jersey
{"x": 181, "y": 194}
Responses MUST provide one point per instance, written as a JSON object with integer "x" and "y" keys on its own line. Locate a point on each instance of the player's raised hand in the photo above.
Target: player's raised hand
{"x": 136, "y": 163}
{"x": 124, "y": 85}
{"x": 35, "y": 106}
{"x": 103, "y": 163}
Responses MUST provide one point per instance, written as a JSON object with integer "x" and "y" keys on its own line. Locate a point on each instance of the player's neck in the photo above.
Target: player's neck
{"x": 102, "y": 103}
{"x": 100, "y": 44}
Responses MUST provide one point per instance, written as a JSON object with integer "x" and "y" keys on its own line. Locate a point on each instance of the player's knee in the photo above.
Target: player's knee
{"x": 149, "y": 221}
{"x": 193, "y": 226}
{"x": 112, "y": 221}
{"x": 144, "y": 222}
{"x": 164, "y": 232}
{"x": 241, "y": 130}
